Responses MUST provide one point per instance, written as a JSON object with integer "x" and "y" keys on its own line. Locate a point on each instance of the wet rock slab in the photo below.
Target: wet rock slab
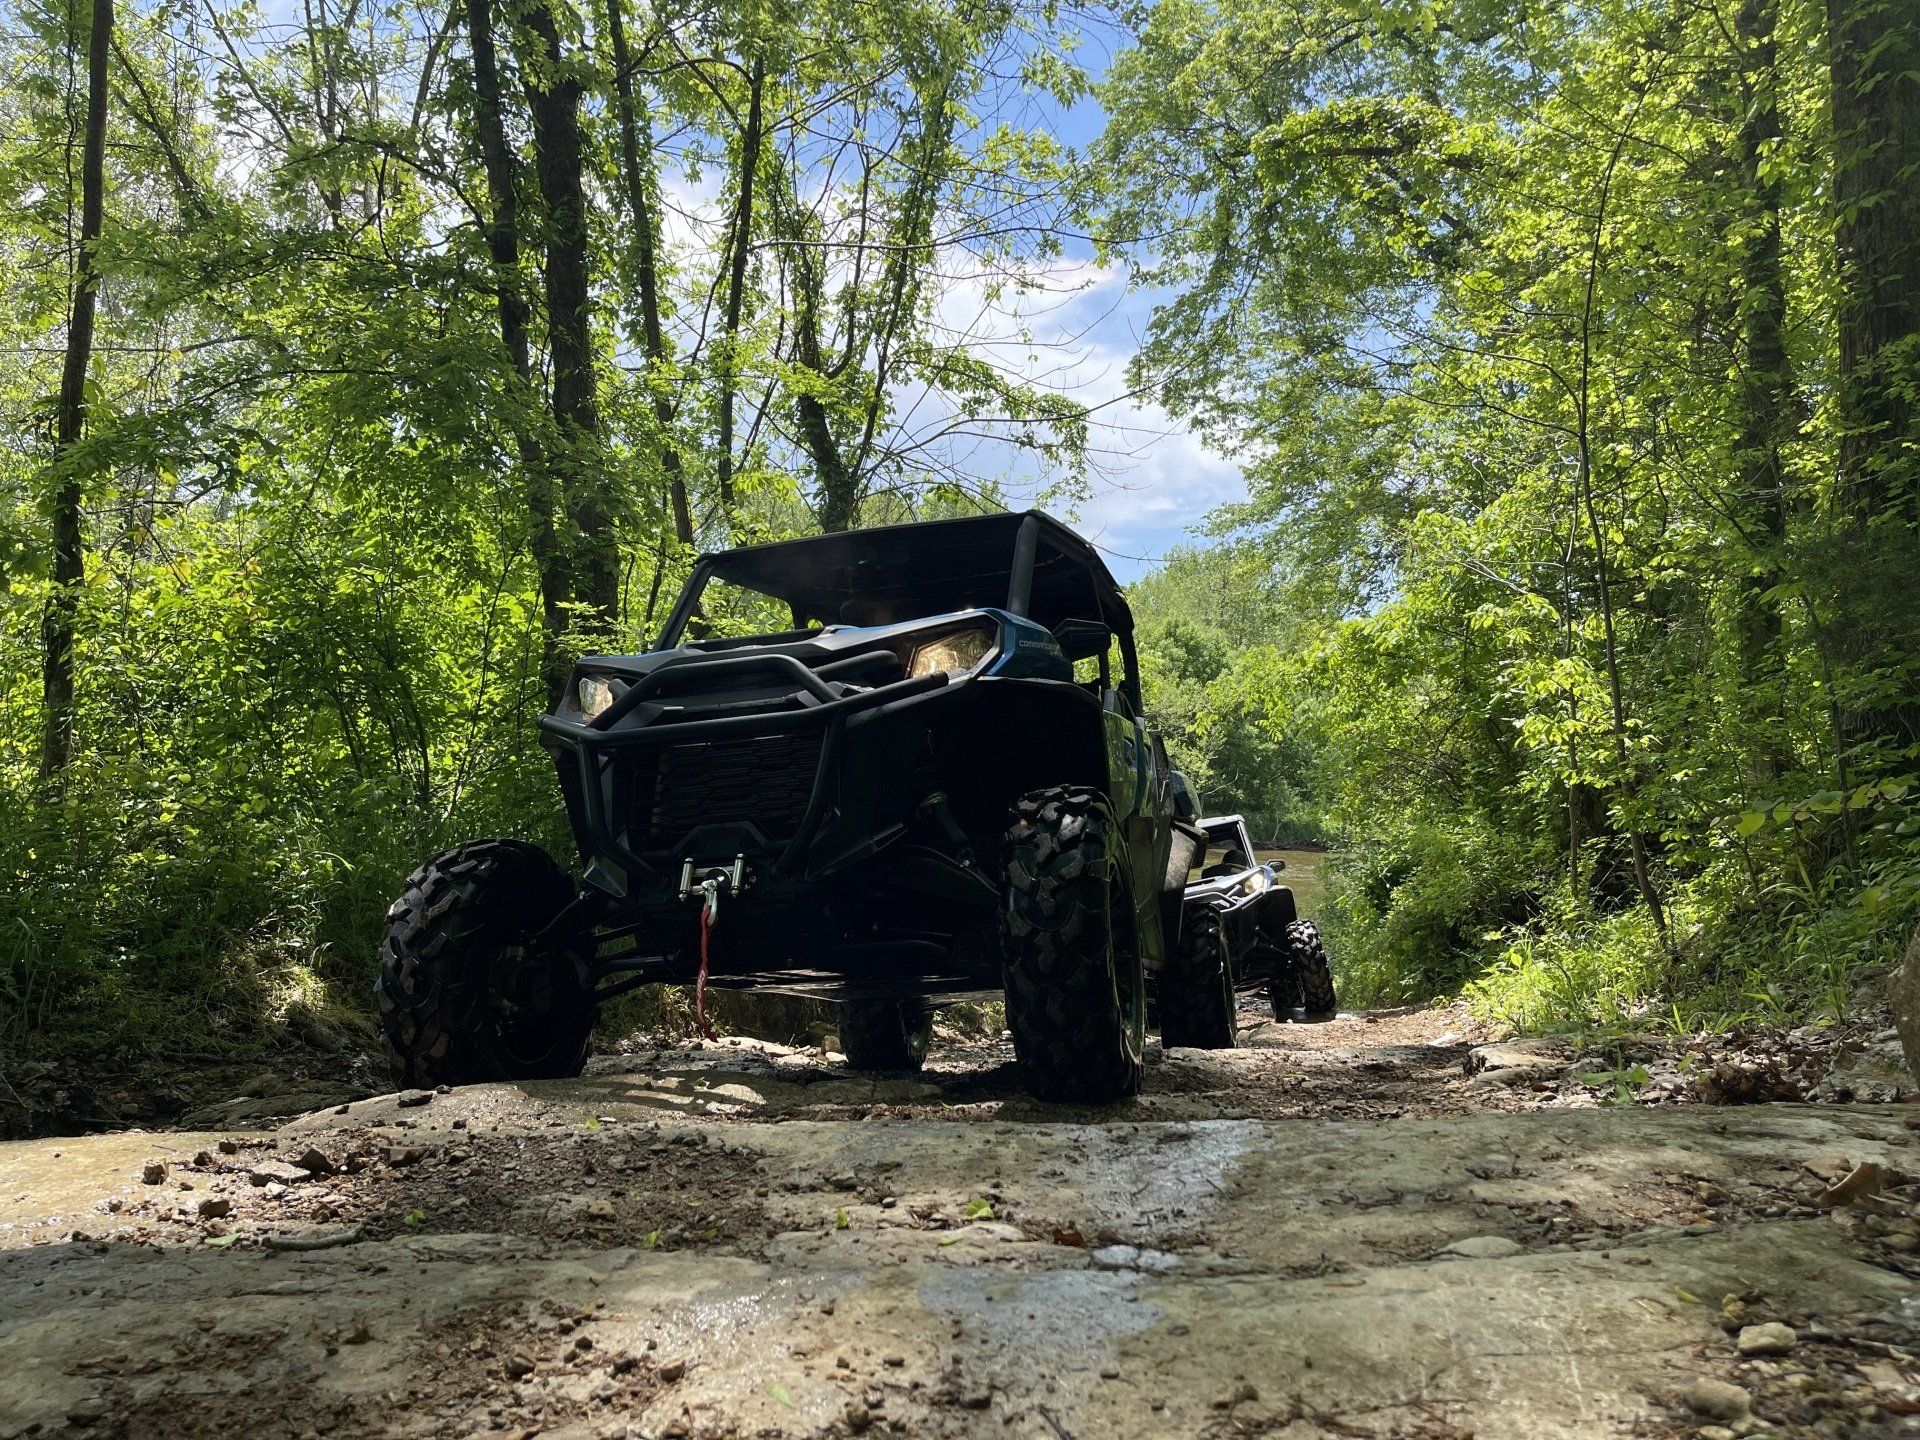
{"x": 582, "y": 1258}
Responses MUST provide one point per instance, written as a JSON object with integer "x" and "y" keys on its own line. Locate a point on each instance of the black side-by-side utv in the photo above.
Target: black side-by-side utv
{"x": 1237, "y": 904}
{"x": 885, "y": 767}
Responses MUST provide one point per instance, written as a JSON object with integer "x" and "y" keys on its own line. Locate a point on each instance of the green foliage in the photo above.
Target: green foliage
{"x": 338, "y": 531}
{"x": 1214, "y": 651}
{"x": 1526, "y": 328}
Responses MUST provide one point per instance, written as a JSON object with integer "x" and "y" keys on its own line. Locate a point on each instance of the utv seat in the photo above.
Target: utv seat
{"x": 1231, "y": 863}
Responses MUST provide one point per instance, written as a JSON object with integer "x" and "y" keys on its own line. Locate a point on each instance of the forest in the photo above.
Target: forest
{"x": 363, "y": 361}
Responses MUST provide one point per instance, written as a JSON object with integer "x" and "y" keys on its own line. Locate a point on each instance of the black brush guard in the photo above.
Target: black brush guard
{"x": 750, "y": 771}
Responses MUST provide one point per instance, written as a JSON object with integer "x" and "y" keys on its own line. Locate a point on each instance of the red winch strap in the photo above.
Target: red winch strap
{"x": 700, "y": 985}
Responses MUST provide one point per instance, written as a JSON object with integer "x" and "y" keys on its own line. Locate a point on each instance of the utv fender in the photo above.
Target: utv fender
{"x": 1277, "y": 912}
{"x": 1060, "y": 736}
{"x": 1184, "y": 849}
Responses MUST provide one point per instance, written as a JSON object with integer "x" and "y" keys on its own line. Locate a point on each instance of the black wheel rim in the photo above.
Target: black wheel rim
{"x": 528, "y": 1011}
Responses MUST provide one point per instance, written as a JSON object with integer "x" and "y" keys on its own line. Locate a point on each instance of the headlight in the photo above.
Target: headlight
{"x": 595, "y": 696}
{"x": 1259, "y": 882}
{"x": 954, "y": 654}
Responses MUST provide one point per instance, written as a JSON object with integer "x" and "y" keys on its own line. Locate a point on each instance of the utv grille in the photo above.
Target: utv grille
{"x": 765, "y": 780}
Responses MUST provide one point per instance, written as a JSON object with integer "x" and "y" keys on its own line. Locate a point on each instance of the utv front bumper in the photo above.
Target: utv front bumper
{"x": 713, "y": 757}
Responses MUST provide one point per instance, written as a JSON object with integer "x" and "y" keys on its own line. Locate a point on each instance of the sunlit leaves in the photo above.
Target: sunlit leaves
{"x": 1473, "y": 301}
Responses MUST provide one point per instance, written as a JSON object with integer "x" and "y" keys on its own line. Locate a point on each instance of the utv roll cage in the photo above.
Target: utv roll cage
{"x": 1027, "y": 564}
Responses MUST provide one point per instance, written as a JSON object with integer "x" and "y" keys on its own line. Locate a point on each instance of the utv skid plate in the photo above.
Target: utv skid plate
{"x": 879, "y": 979}
{"x": 861, "y": 970}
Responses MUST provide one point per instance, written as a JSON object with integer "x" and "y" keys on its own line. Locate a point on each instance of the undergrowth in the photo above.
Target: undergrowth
{"x": 1730, "y": 955}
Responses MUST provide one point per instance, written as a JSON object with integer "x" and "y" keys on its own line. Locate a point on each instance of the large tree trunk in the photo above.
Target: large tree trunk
{"x": 553, "y": 96}
{"x": 841, "y": 470}
{"x": 1766, "y": 376}
{"x": 58, "y": 621}
{"x": 836, "y": 489}
{"x": 503, "y": 245}
{"x": 838, "y": 503}
{"x": 908, "y": 257}
{"x": 646, "y": 265}
{"x": 1874, "y": 57}
{"x": 1874, "y": 52}
{"x": 740, "y": 244}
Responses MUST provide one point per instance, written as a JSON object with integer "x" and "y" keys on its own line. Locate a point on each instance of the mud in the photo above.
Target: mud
{"x": 1336, "y": 1230}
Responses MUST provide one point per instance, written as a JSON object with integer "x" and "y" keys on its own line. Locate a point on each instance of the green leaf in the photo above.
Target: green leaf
{"x": 979, "y": 1208}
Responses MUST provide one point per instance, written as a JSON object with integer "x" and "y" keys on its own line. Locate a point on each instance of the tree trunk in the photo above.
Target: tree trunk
{"x": 553, "y": 96}
{"x": 646, "y": 266}
{"x": 1766, "y": 378}
{"x": 1874, "y": 55}
{"x": 1904, "y": 992}
{"x": 1616, "y": 689}
{"x": 503, "y": 245}
{"x": 739, "y": 244}
{"x": 841, "y": 470}
{"x": 837, "y": 500}
{"x": 1874, "y": 59}
{"x": 69, "y": 568}
{"x": 907, "y": 255}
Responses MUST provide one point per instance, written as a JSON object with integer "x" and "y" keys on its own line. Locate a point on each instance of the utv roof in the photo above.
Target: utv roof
{"x": 1028, "y": 563}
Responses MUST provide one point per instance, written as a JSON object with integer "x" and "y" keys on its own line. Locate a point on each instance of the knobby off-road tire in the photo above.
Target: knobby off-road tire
{"x": 1302, "y": 989}
{"x": 462, "y": 997}
{"x": 1196, "y": 988}
{"x": 1076, "y": 992}
{"x": 885, "y": 1034}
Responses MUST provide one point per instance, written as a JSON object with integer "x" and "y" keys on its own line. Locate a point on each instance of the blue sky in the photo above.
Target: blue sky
{"x": 1153, "y": 480}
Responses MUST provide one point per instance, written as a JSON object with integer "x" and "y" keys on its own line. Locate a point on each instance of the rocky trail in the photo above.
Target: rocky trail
{"x": 1376, "y": 1227}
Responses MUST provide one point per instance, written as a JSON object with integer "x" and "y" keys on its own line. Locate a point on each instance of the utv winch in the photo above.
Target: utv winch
{"x": 889, "y": 767}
